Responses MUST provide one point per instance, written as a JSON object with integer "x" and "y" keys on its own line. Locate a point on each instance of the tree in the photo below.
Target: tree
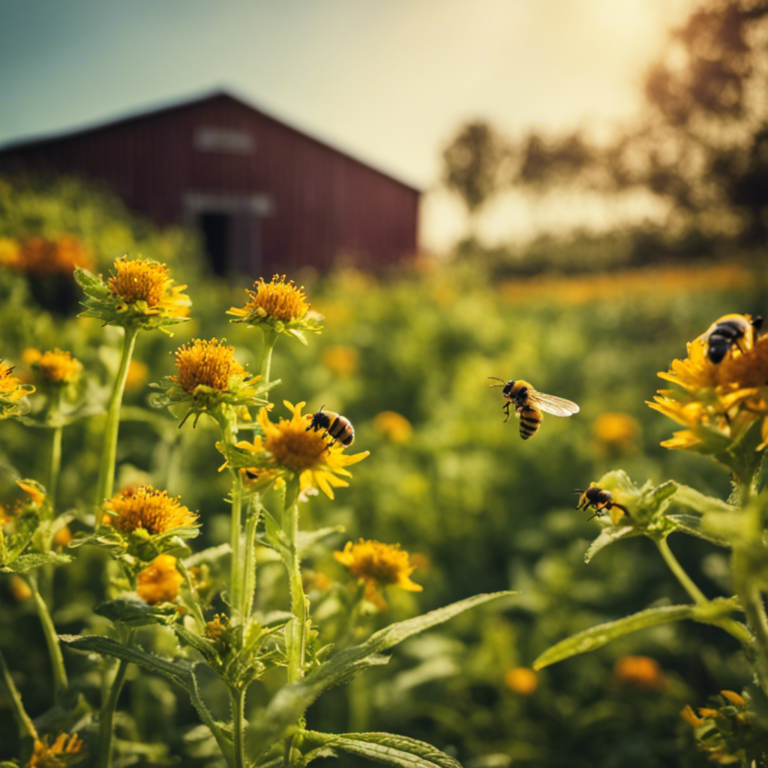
{"x": 703, "y": 143}
{"x": 474, "y": 165}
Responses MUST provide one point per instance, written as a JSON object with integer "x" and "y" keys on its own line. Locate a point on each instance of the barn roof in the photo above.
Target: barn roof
{"x": 139, "y": 116}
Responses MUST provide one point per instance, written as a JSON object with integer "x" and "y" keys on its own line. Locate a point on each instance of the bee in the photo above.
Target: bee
{"x": 529, "y": 405}
{"x": 337, "y": 427}
{"x": 599, "y": 499}
{"x": 730, "y": 331}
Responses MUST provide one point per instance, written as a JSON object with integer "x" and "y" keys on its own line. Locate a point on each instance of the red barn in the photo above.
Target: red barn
{"x": 266, "y": 197}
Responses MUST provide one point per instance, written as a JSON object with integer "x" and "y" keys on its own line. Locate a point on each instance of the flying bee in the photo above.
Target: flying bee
{"x": 599, "y": 499}
{"x": 337, "y": 427}
{"x": 529, "y": 404}
{"x": 730, "y": 331}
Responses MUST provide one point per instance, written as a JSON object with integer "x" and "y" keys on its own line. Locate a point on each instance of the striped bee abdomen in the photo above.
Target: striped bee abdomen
{"x": 530, "y": 421}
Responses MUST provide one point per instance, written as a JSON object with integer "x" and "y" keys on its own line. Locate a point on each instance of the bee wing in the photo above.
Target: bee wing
{"x": 557, "y": 406}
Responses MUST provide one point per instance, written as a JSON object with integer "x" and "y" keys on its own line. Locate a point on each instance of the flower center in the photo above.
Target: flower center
{"x": 210, "y": 363}
{"x": 278, "y": 299}
{"x": 59, "y": 366}
{"x": 139, "y": 280}
{"x": 155, "y": 511}
{"x": 295, "y": 448}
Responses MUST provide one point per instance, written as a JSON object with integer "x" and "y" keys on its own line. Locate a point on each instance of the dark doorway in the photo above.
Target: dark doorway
{"x": 217, "y": 236}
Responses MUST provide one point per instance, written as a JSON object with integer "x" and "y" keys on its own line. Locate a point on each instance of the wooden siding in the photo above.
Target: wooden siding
{"x": 322, "y": 203}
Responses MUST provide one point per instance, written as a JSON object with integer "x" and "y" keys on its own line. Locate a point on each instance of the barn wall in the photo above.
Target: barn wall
{"x": 320, "y": 202}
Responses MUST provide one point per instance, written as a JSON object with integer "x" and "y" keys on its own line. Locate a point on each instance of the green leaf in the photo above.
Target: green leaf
{"x": 292, "y": 701}
{"x": 690, "y": 498}
{"x": 25, "y": 563}
{"x": 135, "y": 613}
{"x": 608, "y": 536}
{"x": 387, "y": 748}
{"x": 210, "y": 555}
{"x": 25, "y": 525}
{"x": 596, "y": 637}
{"x": 179, "y": 671}
{"x": 198, "y": 643}
{"x": 307, "y": 539}
{"x": 691, "y": 524}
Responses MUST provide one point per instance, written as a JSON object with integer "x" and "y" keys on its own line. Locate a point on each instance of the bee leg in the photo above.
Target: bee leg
{"x": 621, "y": 507}
{"x": 505, "y": 408}
{"x": 597, "y": 513}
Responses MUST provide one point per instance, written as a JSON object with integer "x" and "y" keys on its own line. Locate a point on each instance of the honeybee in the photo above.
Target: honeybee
{"x": 730, "y": 331}
{"x": 338, "y": 427}
{"x": 599, "y": 499}
{"x": 529, "y": 404}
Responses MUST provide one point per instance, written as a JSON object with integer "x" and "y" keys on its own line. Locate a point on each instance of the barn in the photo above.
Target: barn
{"x": 266, "y": 197}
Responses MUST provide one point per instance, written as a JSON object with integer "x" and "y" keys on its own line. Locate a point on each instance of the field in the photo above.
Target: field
{"x": 408, "y": 360}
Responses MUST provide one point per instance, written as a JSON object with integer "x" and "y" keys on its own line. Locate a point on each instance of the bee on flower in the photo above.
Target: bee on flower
{"x": 139, "y": 293}
{"x": 288, "y": 448}
{"x": 717, "y": 400}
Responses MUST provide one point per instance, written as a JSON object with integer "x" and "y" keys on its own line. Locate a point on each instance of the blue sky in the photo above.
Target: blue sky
{"x": 389, "y": 81}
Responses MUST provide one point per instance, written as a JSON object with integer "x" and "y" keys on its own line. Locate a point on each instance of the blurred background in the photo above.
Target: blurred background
{"x": 559, "y": 191}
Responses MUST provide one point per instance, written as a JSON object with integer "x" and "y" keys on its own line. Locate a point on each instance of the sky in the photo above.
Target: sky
{"x": 389, "y": 81}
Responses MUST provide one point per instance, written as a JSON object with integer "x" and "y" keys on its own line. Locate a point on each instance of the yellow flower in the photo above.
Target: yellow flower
{"x": 394, "y": 426}
{"x": 138, "y": 374}
{"x": 278, "y": 299}
{"x": 279, "y": 305}
{"x": 734, "y": 698}
{"x": 10, "y": 253}
{"x": 34, "y": 490}
{"x": 55, "y": 367}
{"x": 11, "y": 391}
{"x": 615, "y": 433}
{"x": 289, "y": 448}
{"x": 55, "y": 755}
{"x": 341, "y": 360}
{"x": 147, "y": 281}
{"x": 522, "y": 680}
{"x": 160, "y": 582}
{"x": 63, "y": 536}
{"x": 716, "y": 402}
{"x": 207, "y": 363}
{"x": 139, "y": 293}
{"x": 19, "y": 588}
{"x": 690, "y": 716}
{"x": 40, "y": 257}
{"x": 154, "y": 511}
{"x": 640, "y": 671}
{"x": 215, "y": 629}
{"x": 378, "y": 563}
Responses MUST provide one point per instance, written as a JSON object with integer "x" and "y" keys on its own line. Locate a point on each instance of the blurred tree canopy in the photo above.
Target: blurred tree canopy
{"x": 702, "y": 143}
{"x": 474, "y": 165}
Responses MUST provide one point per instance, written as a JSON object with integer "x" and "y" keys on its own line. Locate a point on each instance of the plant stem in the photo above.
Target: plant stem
{"x": 249, "y": 560}
{"x": 106, "y": 723}
{"x": 109, "y": 454}
{"x": 238, "y": 710}
{"x": 60, "y": 682}
{"x": 199, "y": 617}
{"x": 235, "y": 590}
{"x": 270, "y": 338}
{"x": 685, "y": 580}
{"x": 734, "y": 628}
{"x": 297, "y": 645}
{"x": 26, "y": 726}
{"x": 54, "y": 455}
